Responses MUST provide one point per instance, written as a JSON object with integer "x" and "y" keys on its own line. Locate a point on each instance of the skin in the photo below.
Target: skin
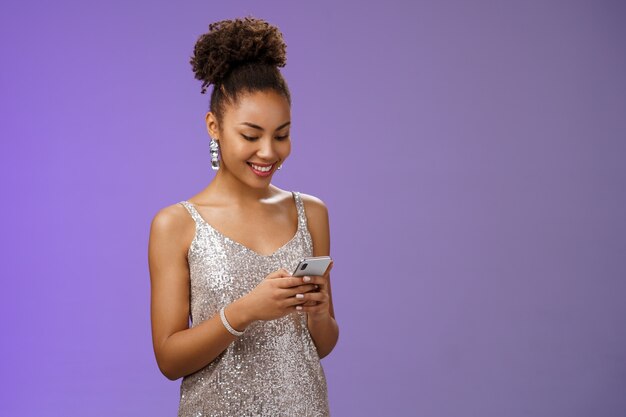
{"x": 253, "y": 212}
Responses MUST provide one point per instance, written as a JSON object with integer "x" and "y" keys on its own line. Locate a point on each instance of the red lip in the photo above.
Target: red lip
{"x": 259, "y": 173}
{"x": 261, "y": 165}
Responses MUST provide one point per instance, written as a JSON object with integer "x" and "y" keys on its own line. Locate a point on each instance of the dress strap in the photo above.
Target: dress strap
{"x": 301, "y": 212}
{"x": 192, "y": 210}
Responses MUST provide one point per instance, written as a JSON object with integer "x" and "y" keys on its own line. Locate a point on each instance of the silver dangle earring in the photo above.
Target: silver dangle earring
{"x": 215, "y": 162}
{"x": 279, "y": 166}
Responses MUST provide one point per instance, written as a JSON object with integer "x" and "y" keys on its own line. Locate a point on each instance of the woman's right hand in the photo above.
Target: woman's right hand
{"x": 275, "y": 296}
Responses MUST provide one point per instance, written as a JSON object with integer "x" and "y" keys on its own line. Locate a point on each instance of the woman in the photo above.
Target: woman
{"x": 257, "y": 333}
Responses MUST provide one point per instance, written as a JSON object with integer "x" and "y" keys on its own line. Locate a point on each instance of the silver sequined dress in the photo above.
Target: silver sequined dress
{"x": 274, "y": 368}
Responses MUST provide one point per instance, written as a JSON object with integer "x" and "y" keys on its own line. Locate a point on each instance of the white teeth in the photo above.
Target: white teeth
{"x": 262, "y": 169}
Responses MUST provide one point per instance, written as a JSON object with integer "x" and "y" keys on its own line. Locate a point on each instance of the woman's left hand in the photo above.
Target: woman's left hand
{"x": 317, "y": 304}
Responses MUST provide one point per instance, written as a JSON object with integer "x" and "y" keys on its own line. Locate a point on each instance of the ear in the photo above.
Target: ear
{"x": 211, "y": 125}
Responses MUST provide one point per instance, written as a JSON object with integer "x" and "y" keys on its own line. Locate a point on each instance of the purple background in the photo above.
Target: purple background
{"x": 471, "y": 155}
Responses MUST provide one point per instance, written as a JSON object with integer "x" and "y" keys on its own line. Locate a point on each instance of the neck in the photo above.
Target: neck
{"x": 232, "y": 191}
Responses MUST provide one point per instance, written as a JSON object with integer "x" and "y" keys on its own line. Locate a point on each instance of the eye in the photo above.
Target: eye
{"x": 252, "y": 139}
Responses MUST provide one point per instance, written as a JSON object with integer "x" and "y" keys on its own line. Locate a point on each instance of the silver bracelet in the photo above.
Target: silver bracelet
{"x": 227, "y": 324}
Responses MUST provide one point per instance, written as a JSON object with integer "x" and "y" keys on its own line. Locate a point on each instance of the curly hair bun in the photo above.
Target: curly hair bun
{"x": 233, "y": 42}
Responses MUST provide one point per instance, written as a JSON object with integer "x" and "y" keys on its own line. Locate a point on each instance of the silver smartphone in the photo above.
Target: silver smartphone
{"x": 315, "y": 265}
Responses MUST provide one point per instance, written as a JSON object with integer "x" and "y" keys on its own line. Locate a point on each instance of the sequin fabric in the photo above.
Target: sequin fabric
{"x": 274, "y": 368}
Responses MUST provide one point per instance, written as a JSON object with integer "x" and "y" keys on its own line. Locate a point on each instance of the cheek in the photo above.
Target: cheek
{"x": 239, "y": 151}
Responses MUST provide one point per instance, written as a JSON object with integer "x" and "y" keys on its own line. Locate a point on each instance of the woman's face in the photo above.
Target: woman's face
{"x": 256, "y": 131}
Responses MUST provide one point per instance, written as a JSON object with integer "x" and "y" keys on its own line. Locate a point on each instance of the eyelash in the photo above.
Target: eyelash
{"x": 251, "y": 139}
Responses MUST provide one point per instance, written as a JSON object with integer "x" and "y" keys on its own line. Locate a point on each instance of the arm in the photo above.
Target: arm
{"x": 325, "y": 334}
{"x": 180, "y": 350}
{"x": 324, "y": 329}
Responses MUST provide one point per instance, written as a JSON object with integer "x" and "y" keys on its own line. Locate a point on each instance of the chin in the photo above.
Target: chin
{"x": 260, "y": 184}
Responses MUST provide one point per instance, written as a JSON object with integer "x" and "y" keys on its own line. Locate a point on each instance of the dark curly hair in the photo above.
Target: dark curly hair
{"x": 239, "y": 56}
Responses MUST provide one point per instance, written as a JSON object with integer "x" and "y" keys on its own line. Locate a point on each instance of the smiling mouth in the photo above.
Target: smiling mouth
{"x": 261, "y": 170}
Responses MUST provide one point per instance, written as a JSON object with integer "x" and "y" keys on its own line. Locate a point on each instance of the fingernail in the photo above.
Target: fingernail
{"x": 298, "y": 307}
{"x": 299, "y": 295}
{"x": 306, "y": 278}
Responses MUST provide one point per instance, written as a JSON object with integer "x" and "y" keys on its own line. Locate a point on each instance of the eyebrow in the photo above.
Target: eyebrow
{"x": 260, "y": 128}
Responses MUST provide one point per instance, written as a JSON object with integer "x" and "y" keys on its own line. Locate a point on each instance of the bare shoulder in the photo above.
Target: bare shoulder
{"x": 313, "y": 205}
{"x": 169, "y": 218}
{"x": 172, "y": 225}
{"x": 318, "y": 224}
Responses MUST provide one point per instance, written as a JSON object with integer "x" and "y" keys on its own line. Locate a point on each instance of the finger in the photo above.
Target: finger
{"x": 301, "y": 298}
{"x": 290, "y": 292}
{"x": 288, "y": 282}
{"x": 313, "y": 279}
{"x": 316, "y": 288}
{"x": 318, "y": 280}
{"x": 301, "y": 308}
{"x": 330, "y": 266}
{"x": 284, "y": 273}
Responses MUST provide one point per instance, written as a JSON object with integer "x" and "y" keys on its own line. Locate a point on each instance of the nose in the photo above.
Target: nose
{"x": 266, "y": 149}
